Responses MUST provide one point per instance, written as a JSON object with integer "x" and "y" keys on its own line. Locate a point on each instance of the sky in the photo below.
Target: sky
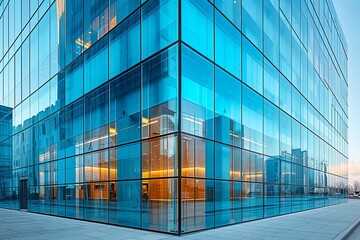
{"x": 348, "y": 12}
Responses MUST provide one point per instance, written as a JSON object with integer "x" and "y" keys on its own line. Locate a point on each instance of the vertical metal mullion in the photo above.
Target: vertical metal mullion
{"x": 179, "y": 149}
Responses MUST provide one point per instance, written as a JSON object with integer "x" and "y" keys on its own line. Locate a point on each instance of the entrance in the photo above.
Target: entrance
{"x": 23, "y": 194}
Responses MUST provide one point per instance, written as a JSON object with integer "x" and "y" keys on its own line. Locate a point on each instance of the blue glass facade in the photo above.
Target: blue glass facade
{"x": 172, "y": 115}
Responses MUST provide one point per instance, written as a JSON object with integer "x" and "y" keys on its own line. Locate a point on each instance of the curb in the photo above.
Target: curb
{"x": 348, "y": 231}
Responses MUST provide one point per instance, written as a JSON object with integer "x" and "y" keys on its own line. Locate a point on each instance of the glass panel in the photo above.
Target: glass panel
{"x": 231, "y": 9}
{"x": 271, "y": 30}
{"x": 271, "y": 129}
{"x": 252, "y": 119}
{"x": 74, "y": 81}
{"x": 271, "y": 200}
{"x": 159, "y": 205}
{"x": 124, "y": 205}
{"x": 197, "y": 95}
{"x": 96, "y": 119}
{"x": 252, "y": 66}
{"x": 125, "y": 162}
{"x": 227, "y": 162}
{"x": 227, "y": 45}
{"x": 159, "y": 157}
{"x": 197, "y": 26}
{"x": 197, "y": 157}
{"x": 96, "y": 20}
{"x": 271, "y": 82}
{"x": 252, "y": 21}
{"x": 125, "y": 44}
{"x": 75, "y": 29}
{"x": 252, "y": 202}
{"x": 120, "y": 9}
{"x": 197, "y": 204}
{"x": 125, "y": 108}
{"x": 159, "y": 25}
{"x": 96, "y": 65}
{"x": 252, "y": 166}
{"x": 227, "y": 108}
{"x": 227, "y": 202}
{"x": 159, "y": 100}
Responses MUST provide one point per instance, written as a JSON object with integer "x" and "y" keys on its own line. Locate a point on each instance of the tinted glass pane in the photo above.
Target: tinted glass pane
{"x": 252, "y": 18}
{"x": 159, "y": 25}
{"x": 159, "y": 100}
{"x": 197, "y": 26}
{"x": 197, "y": 95}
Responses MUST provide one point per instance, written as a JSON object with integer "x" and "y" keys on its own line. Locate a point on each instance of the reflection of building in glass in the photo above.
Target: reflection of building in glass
{"x": 136, "y": 114}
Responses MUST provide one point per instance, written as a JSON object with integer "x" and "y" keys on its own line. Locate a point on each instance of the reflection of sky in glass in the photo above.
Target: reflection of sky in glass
{"x": 348, "y": 13}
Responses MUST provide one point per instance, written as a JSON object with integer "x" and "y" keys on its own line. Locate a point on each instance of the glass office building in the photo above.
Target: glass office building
{"x": 172, "y": 115}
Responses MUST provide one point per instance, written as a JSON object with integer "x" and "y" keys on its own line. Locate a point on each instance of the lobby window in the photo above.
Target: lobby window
{"x": 227, "y": 108}
{"x": 125, "y": 115}
{"x": 197, "y": 157}
{"x": 159, "y": 157}
{"x": 159, "y": 25}
{"x": 125, "y": 44}
{"x": 197, "y": 26}
{"x": 160, "y": 88}
{"x": 197, "y": 95}
{"x": 227, "y": 162}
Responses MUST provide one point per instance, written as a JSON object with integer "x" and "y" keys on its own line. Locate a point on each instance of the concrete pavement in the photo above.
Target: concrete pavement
{"x": 333, "y": 222}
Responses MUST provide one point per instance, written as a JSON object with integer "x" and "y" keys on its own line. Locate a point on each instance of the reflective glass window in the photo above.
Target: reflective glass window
{"x": 285, "y": 47}
{"x": 125, "y": 162}
{"x": 96, "y": 20}
{"x": 271, "y": 82}
{"x": 160, "y": 215}
{"x": 96, "y": 65}
{"x": 252, "y": 66}
{"x": 252, "y": 201}
{"x": 125, "y": 116}
{"x": 74, "y": 122}
{"x": 44, "y": 49}
{"x": 285, "y": 94}
{"x": 285, "y": 136}
{"x": 120, "y": 9}
{"x": 96, "y": 130}
{"x": 197, "y": 26}
{"x": 227, "y": 108}
{"x": 74, "y": 80}
{"x": 295, "y": 61}
{"x": 197, "y": 95}
{"x": 34, "y": 59}
{"x": 252, "y": 120}
{"x": 124, "y": 205}
{"x": 227, "y": 45}
{"x": 271, "y": 200}
{"x": 271, "y": 30}
{"x": 197, "y": 157}
{"x": 197, "y": 201}
{"x": 159, "y": 99}
{"x": 159, "y": 25}
{"x": 271, "y": 129}
{"x": 227, "y": 202}
{"x": 231, "y": 9}
{"x": 227, "y": 162}
{"x": 75, "y": 29}
{"x": 125, "y": 44}
{"x": 159, "y": 157}
{"x": 252, "y": 21}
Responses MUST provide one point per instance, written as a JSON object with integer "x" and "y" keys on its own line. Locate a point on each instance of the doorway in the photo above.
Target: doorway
{"x": 23, "y": 194}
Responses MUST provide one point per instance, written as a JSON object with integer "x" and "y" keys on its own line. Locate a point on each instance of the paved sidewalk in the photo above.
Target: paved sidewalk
{"x": 325, "y": 223}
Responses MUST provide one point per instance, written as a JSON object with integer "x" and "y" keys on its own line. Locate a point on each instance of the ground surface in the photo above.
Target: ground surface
{"x": 324, "y": 223}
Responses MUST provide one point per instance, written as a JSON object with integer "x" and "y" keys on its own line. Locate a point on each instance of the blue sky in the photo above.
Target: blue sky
{"x": 348, "y": 12}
